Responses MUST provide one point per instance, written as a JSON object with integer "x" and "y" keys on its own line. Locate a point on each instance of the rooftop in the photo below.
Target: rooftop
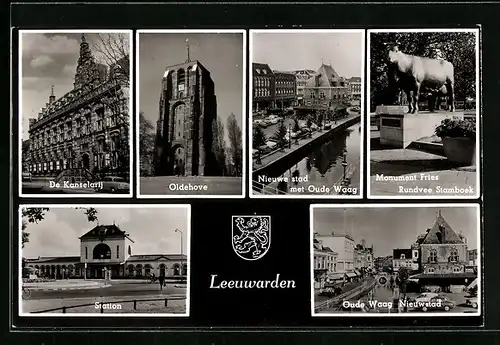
{"x": 441, "y": 233}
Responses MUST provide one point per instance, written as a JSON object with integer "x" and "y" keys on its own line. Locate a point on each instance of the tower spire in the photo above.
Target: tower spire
{"x": 52, "y": 97}
{"x": 187, "y": 48}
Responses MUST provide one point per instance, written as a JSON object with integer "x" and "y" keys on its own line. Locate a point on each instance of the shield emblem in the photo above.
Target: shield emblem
{"x": 251, "y": 236}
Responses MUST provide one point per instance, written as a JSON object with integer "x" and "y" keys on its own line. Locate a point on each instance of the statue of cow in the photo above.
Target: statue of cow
{"x": 411, "y": 73}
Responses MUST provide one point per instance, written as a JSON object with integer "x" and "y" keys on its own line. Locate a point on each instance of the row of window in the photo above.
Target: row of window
{"x": 56, "y": 136}
{"x": 322, "y": 95}
{"x": 261, "y": 82}
{"x": 108, "y": 159}
{"x": 432, "y": 258}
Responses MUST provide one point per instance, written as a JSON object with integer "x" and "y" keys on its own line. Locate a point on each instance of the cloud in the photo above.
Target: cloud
{"x": 41, "y": 61}
{"x": 53, "y": 45}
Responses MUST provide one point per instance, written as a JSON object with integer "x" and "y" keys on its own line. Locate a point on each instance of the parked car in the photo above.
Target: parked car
{"x": 26, "y": 176}
{"x": 273, "y": 119}
{"x": 472, "y": 302}
{"x": 425, "y": 297}
{"x": 114, "y": 184}
{"x": 438, "y": 303}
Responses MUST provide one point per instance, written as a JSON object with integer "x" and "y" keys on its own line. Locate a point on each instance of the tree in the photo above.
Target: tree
{"x": 219, "y": 146}
{"x": 235, "y": 144}
{"x": 280, "y": 135}
{"x": 457, "y": 47}
{"x": 146, "y": 144}
{"x": 113, "y": 50}
{"x": 401, "y": 282}
{"x": 258, "y": 137}
{"x": 37, "y": 214}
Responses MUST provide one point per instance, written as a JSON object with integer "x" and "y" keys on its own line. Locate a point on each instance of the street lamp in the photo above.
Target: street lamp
{"x": 290, "y": 136}
{"x": 182, "y": 271}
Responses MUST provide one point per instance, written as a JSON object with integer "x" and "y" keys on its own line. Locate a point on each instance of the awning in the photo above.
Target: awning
{"x": 357, "y": 272}
{"x": 351, "y": 275}
{"x": 468, "y": 275}
{"x": 335, "y": 276}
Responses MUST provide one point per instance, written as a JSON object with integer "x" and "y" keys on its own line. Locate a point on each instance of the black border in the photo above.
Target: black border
{"x": 368, "y": 16}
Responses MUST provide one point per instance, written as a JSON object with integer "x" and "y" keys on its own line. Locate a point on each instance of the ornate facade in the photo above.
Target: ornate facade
{"x": 87, "y": 129}
{"x": 188, "y": 109}
{"x": 106, "y": 251}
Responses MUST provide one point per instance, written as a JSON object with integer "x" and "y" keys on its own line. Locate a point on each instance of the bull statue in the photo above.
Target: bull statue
{"x": 412, "y": 74}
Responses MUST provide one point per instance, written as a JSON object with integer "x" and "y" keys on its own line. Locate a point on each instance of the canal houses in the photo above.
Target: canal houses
{"x": 325, "y": 263}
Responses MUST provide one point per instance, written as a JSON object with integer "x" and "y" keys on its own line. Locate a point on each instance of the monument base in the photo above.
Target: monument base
{"x": 398, "y": 130}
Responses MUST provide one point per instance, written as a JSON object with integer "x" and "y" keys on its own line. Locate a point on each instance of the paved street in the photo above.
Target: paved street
{"x": 41, "y": 300}
{"x": 169, "y": 185}
{"x": 384, "y": 295}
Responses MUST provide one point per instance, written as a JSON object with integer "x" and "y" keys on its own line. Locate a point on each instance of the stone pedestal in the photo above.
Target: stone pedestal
{"x": 399, "y": 129}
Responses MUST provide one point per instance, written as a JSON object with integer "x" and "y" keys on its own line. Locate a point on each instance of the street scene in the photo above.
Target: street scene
{"x": 133, "y": 259}
{"x": 396, "y": 259}
{"x": 306, "y": 120}
{"x": 190, "y": 137}
{"x": 74, "y": 112}
{"x": 424, "y": 113}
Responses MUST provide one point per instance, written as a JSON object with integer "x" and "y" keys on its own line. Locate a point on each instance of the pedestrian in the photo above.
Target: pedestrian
{"x": 161, "y": 279}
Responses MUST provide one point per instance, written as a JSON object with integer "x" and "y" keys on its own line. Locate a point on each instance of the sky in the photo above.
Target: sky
{"x": 49, "y": 59}
{"x": 221, "y": 54}
{"x": 295, "y": 51}
{"x": 393, "y": 228}
{"x": 152, "y": 230}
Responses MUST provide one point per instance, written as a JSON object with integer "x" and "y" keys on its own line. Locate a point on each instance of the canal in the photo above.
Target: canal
{"x": 322, "y": 168}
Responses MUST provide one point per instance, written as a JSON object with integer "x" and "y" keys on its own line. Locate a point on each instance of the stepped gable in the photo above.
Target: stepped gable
{"x": 441, "y": 233}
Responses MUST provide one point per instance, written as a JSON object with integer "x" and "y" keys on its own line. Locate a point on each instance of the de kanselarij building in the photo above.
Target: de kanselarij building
{"x": 107, "y": 252}
{"x": 86, "y": 131}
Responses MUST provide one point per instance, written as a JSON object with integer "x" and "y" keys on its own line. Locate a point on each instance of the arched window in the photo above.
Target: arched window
{"x": 131, "y": 270}
{"x": 176, "y": 270}
{"x": 181, "y": 79}
{"x": 101, "y": 251}
{"x": 138, "y": 268}
{"x": 147, "y": 269}
{"x": 179, "y": 118}
{"x": 432, "y": 256}
{"x": 454, "y": 255}
{"x": 86, "y": 252}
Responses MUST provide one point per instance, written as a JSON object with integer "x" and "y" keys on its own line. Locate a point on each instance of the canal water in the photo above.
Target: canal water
{"x": 323, "y": 166}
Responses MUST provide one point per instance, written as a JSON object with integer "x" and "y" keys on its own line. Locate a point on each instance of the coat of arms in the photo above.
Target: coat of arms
{"x": 251, "y": 236}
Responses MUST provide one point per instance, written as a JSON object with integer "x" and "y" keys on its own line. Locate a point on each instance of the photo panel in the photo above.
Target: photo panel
{"x": 75, "y": 108}
{"x": 191, "y": 110}
{"x": 396, "y": 260}
{"x": 104, "y": 260}
{"x": 424, "y": 113}
{"x": 306, "y": 124}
